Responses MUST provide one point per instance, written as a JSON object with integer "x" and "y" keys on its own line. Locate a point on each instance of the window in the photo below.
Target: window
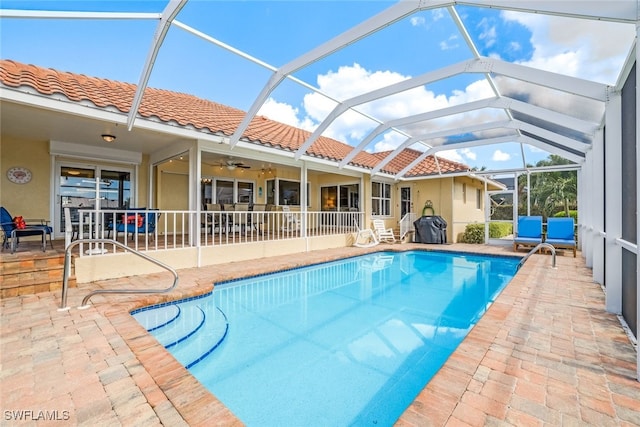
{"x": 245, "y": 192}
{"x": 283, "y": 192}
{"x": 464, "y": 193}
{"x": 226, "y": 191}
{"x": 340, "y": 198}
{"x": 478, "y": 199}
{"x": 381, "y": 199}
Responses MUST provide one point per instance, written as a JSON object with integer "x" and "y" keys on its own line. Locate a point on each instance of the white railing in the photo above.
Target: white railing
{"x": 145, "y": 230}
{"x": 406, "y": 224}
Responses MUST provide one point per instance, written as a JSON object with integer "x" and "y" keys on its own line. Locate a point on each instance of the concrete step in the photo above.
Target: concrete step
{"x": 32, "y": 271}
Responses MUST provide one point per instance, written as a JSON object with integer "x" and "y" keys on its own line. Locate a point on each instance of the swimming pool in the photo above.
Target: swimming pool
{"x": 350, "y": 342}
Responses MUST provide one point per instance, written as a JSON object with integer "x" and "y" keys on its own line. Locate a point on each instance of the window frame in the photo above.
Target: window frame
{"x": 378, "y": 201}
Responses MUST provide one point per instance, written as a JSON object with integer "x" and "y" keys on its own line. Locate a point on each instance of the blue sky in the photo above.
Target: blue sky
{"x": 278, "y": 32}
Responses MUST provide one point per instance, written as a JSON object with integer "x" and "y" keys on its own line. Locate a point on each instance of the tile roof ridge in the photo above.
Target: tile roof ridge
{"x": 383, "y": 154}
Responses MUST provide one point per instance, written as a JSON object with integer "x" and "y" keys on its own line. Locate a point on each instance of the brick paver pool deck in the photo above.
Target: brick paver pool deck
{"x": 545, "y": 353}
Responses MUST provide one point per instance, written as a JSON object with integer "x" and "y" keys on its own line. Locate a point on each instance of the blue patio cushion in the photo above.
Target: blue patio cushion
{"x": 529, "y": 229}
{"x": 560, "y": 231}
{"x": 8, "y": 227}
{"x": 6, "y": 220}
{"x": 148, "y": 224}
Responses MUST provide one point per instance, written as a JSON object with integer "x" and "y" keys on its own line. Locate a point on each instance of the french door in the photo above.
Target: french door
{"x": 406, "y": 205}
{"x": 82, "y": 186}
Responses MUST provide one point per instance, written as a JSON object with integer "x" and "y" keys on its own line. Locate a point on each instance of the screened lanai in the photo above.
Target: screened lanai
{"x": 364, "y": 79}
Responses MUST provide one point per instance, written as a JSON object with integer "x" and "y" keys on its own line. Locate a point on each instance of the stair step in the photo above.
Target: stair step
{"x": 190, "y": 332}
{"x": 31, "y": 272}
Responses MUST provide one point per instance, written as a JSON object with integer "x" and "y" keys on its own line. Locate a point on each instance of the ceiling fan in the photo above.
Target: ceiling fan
{"x": 231, "y": 164}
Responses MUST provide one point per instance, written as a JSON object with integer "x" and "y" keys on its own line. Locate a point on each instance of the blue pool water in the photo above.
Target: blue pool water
{"x": 350, "y": 342}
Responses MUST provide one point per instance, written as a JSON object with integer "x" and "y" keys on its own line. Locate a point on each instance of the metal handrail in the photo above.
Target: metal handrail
{"x": 67, "y": 268}
{"x": 536, "y": 249}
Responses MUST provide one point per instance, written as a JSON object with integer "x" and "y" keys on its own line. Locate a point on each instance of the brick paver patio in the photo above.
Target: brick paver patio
{"x": 546, "y": 353}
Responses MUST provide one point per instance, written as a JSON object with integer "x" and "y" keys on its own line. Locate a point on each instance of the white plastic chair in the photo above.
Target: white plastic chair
{"x": 365, "y": 238}
{"x": 383, "y": 234}
{"x": 291, "y": 220}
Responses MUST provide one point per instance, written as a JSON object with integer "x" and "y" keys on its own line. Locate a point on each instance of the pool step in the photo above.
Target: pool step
{"x": 157, "y": 317}
{"x": 188, "y": 330}
{"x": 206, "y": 340}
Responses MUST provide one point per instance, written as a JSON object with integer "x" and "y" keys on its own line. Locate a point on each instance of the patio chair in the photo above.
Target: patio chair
{"x": 365, "y": 238}
{"x": 257, "y": 216}
{"x": 227, "y": 218}
{"x": 141, "y": 223}
{"x": 383, "y": 234}
{"x": 291, "y": 220}
{"x": 241, "y": 216}
{"x": 561, "y": 233}
{"x": 213, "y": 216}
{"x": 529, "y": 232}
{"x": 32, "y": 227}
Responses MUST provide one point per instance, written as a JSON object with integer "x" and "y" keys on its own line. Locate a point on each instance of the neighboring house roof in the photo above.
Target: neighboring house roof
{"x": 191, "y": 111}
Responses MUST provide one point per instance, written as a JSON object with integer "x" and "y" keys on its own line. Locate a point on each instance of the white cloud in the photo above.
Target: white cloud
{"x": 451, "y": 155}
{"x": 500, "y": 156}
{"x": 450, "y": 43}
{"x": 515, "y": 46}
{"x": 592, "y": 50}
{"x": 461, "y": 155}
{"x": 285, "y": 113}
{"x": 468, "y": 153}
{"x": 586, "y": 49}
{"x": 437, "y": 14}
{"x": 488, "y": 34}
{"x": 417, "y": 21}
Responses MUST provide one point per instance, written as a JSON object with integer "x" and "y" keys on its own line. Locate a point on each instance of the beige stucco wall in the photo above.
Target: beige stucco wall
{"x": 29, "y": 200}
{"x": 439, "y": 192}
{"x": 91, "y": 268}
{"x": 33, "y": 200}
{"x": 464, "y": 206}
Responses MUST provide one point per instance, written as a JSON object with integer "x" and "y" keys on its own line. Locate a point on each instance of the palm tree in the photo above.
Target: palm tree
{"x": 551, "y": 189}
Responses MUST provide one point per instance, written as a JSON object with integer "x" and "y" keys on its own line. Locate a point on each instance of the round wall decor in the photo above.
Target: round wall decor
{"x": 19, "y": 175}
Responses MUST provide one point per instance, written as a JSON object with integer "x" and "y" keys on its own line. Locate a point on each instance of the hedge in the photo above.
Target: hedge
{"x": 474, "y": 233}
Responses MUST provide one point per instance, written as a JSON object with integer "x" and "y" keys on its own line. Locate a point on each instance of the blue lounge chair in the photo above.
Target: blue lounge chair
{"x": 141, "y": 221}
{"x": 529, "y": 232}
{"x": 12, "y": 233}
{"x": 561, "y": 234}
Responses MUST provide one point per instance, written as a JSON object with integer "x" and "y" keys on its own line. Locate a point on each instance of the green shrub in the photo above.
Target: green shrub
{"x": 500, "y": 229}
{"x": 573, "y": 214}
{"x": 474, "y": 233}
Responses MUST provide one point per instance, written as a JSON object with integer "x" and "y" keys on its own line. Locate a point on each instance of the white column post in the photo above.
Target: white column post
{"x": 587, "y": 206}
{"x": 597, "y": 192}
{"x": 613, "y": 203}
{"x": 195, "y": 176}
{"x": 303, "y": 199}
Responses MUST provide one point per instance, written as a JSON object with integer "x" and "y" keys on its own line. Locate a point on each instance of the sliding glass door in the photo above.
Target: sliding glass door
{"x": 80, "y": 186}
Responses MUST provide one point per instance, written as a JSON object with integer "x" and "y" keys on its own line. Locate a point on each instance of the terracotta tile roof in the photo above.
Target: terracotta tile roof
{"x": 427, "y": 166}
{"x": 189, "y": 110}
